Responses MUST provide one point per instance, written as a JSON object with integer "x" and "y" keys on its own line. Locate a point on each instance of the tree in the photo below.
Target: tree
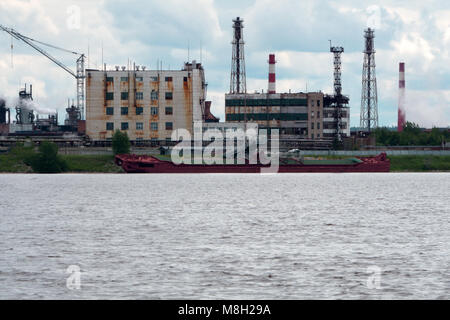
{"x": 120, "y": 142}
{"x": 47, "y": 159}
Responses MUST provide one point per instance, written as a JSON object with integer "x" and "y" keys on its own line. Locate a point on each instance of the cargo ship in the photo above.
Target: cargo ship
{"x": 151, "y": 164}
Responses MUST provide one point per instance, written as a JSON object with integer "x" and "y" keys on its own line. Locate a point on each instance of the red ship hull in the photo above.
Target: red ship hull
{"x": 149, "y": 164}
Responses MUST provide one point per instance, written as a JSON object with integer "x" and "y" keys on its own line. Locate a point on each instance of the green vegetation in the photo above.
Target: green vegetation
{"x": 120, "y": 142}
{"x": 410, "y": 136}
{"x": 17, "y": 160}
{"x": 92, "y": 163}
{"x": 47, "y": 159}
{"x": 420, "y": 163}
{"x": 20, "y": 160}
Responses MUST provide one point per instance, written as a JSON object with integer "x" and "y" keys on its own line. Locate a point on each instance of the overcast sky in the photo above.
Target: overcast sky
{"x": 416, "y": 32}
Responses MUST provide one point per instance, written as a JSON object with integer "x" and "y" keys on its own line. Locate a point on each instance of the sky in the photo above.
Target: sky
{"x": 298, "y": 32}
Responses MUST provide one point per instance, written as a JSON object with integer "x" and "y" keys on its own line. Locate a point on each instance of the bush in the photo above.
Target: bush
{"x": 410, "y": 136}
{"x": 48, "y": 160}
{"x": 120, "y": 142}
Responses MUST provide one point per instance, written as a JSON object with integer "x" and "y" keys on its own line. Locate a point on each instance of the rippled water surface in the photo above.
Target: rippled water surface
{"x": 230, "y": 236}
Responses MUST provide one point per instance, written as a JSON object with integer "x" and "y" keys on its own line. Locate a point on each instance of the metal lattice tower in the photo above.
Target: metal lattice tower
{"x": 369, "y": 98}
{"x": 338, "y": 99}
{"x": 237, "y": 79}
{"x": 80, "y": 76}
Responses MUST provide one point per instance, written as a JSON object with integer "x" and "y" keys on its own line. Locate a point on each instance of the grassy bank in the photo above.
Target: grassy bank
{"x": 419, "y": 163}
{"x": 91, "y": 163}
{"x": 16, "y": 162}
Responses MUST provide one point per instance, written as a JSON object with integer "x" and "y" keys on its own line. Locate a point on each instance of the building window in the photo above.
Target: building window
{"x": 139, "y": 126}
{"x": 168, "y": 79}
{"x": 318, "y": 125}
{"x": 318, "y": 135}
{"x": 169, "y": 125}
{"x": 318, "y": 114}
{"x": 318, "y": 103}
{"x": 139, "y": 111}
{"x": 139, "y": 95}
{"x": 153, "y": 78}
{"x": 110, "y": 126}
{"x": 312, "y": 103}
{"x": 124, "y": 79}
{"x": 109, "y": 111}
{"x": 109, "y": 79}
{"x": 124, "y": 126}
{"x": 169, "y": 95}
{"x": 110, "y": 96}
{"x": 169, "y": 110}
{"x": 139, "y": 79}
{"x": 124, "y": 96}
{"x": 312, "y": 114}
{"x": 154, "y": 95}
{"x": 312, "y": 125}
{"x": 124, "y": 111}
{"x": 154, "y": 126}
{"x": 185, "y": 79}
{"x": 154, "y": 111}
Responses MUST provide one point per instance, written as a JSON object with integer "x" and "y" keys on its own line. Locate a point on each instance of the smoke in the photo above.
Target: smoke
{"x": 32, "y": 105}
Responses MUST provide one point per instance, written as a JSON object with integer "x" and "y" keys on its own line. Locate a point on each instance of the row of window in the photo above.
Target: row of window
{"x": 331, "y": 114}
{"x": 139, "y": 111}
{"x": 266, "y": 116}
{"x": 139, "y": 126}
{"x": 141, "y": 79}
{"x": 139, "y": 95}
{"x": 266, "y": 102}
{"x": 318, "y": 125}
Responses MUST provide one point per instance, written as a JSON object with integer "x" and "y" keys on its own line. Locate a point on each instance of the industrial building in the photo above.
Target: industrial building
{"x": 147, "y": 104}
{"x": 299, "y": 115}
{"x": 296, "y": 115}
{"x": 30, "y": 123}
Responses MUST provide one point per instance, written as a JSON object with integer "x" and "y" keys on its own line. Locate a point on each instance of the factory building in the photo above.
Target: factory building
{"x": 147, "y": 104}
{"x": 297, "y": 115}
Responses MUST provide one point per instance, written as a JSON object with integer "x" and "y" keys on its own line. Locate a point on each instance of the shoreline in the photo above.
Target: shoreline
{"x": 14, "y": 163}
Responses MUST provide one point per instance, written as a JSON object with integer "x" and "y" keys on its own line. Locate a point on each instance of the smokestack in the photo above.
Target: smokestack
{"x": 272, "y": 88}
{"x": 401, "y": 98}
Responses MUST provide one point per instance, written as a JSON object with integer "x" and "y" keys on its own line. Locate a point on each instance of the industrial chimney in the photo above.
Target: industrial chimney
{"x": 401, "y": 98}
{"x": 272, "y": 88}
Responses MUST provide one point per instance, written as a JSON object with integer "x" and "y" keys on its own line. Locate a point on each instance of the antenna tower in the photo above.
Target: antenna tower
{"x": 369, "y": 99}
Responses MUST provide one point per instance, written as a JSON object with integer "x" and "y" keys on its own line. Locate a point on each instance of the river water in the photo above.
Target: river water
{"x": 225, "y": 236}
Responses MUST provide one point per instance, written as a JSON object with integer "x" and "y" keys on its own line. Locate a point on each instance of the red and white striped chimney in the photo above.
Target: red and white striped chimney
{"x": 272, "y": 88}
{"x": 401, "y": 98}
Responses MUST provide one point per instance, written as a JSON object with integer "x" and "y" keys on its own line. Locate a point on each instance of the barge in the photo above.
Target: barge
{"x": 150, "y": 164}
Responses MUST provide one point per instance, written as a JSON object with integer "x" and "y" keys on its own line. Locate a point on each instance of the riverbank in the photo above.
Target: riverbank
{"x": 15, "y": 162}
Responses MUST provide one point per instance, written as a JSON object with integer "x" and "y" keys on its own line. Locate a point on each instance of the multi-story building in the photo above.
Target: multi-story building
{"x": 297, "y": 115}
{"x": 147, "y": 104}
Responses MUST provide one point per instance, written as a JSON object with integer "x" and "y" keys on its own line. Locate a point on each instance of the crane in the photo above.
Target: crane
{"x": 78, "y": 75}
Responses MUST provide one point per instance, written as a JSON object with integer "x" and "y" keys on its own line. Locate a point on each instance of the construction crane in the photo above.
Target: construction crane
{"x": 78, "y": 75}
